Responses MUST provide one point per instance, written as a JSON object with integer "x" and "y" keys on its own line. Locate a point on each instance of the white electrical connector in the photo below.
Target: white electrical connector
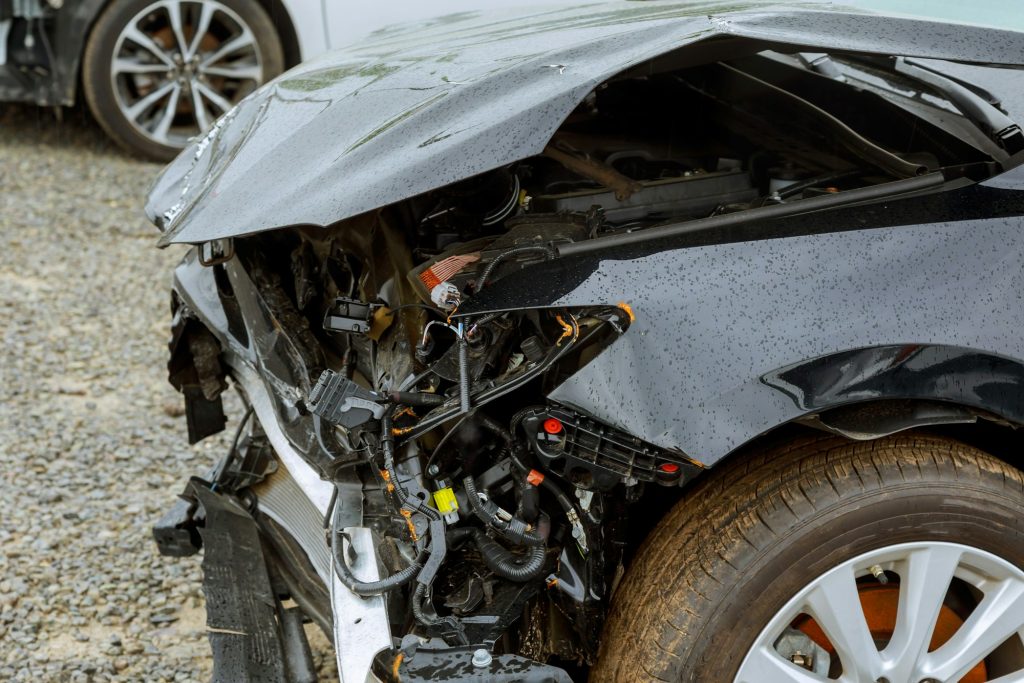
{"x": 445, "y": 295}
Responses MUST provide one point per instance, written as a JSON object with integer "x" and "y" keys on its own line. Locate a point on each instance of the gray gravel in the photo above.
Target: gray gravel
{"x": 92, "y": 445}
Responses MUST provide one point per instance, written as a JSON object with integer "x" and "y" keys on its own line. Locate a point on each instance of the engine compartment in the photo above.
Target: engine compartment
{"x": 501, "y": 517}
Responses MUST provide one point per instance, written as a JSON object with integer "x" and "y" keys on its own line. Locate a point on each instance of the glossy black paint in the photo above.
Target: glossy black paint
{"x": 738, "y": 333}
{"x": 412, "y": 111}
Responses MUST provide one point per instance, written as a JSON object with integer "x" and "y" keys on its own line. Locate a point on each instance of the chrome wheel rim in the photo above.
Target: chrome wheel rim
{"x": 180, "y": 64}
{"x": 931, "y": 577}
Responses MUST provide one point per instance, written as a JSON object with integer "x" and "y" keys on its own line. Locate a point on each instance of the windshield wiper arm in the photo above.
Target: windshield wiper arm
{"x": 1000, "y": 127}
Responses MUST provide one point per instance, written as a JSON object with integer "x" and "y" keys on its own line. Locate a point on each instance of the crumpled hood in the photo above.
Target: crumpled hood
{"x": 418, "y": 108}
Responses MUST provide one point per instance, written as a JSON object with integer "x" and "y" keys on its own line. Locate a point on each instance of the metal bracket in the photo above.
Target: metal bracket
{"x": 215, "y": 252}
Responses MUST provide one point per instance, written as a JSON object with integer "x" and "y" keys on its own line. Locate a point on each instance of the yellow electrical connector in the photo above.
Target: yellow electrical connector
{"x": 445, "y": 502}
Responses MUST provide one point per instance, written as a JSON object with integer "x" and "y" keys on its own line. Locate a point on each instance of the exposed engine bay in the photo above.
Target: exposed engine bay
{"x": 501, "y": 521}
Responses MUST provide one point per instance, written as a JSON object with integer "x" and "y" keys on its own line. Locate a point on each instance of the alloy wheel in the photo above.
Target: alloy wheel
{"x": 909, "y": 613}
{"x": 178, "y": 65}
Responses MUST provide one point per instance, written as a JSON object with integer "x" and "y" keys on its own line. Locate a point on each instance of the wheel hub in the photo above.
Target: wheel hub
{"x": 880, "y": 603}
{"x": 178, "y": 65}
{"x": 912, "y": 612}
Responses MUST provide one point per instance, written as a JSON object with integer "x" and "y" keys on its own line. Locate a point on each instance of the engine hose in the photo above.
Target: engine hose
{"x": 464, "y": 403}
{"x": 417, "y": 607}
{"x": 495, "y": 426}
{"x": 549, "y": 253}
{"x": 512, "y": 529}
{"x": 368, "y": 588}
{"x": 453, "y": 625}
{"x": 501, "y": 561}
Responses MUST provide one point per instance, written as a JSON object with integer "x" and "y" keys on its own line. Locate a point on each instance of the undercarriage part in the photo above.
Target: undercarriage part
{"x": 596, "y": 457}
{"x": 471, "y": 664}
{"x": 243, "y": 615}
{"x": 176, "y": 533}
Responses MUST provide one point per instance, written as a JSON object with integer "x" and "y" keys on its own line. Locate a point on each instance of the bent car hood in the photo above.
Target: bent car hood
{"x": 415, "y": 109}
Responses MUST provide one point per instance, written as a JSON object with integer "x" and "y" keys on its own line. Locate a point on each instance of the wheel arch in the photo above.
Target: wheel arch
{"x": 284, "y": 22}
{"x": 871, "y": 393}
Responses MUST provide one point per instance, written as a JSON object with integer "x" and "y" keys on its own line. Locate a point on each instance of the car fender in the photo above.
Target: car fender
{"x": 732, "y": 339}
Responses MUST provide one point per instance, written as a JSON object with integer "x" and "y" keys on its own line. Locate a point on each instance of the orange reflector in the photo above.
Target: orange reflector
{"x": 552, "y": 426}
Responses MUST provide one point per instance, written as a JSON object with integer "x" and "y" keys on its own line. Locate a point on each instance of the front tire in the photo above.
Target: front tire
{"x": 156, "y": 73}
{"x": 896, "y": 560}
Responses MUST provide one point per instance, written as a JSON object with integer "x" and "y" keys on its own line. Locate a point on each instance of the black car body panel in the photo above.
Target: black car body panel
{"x": 723, "y": 330}
{"x": 465, "y": 96}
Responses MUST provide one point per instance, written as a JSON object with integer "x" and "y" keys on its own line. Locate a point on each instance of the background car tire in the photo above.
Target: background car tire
{"x": 102, "y": 94}
{"x": 730, "y": 556}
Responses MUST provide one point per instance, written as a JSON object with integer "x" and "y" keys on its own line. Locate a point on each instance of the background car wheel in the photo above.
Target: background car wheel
{"x": 897, "y": 560}
{"x": 158, "y": 72}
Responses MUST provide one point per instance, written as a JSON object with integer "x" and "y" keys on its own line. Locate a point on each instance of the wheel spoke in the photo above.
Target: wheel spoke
{"x": 922, "y": 591}
{"x": 167, "y": 118}
{"x": 133, "y": 66}
{"x": 240, "y": 42}
{"x": 835, "y": 605}
{"x": 143, "y": 105}
{"x": 236, "y": 71}
{"x": 133, "y": 34}
{"x": 206, "y": 11}
{"x": 199, "y": 109}
{"x": 998, "y": 616}
{"x": 173, "y": 8}
{"x": 215, "y": 97}
{"x": 765, "y": 665}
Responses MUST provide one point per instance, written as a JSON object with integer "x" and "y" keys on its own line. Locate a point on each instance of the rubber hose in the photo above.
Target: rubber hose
{"x": 504, "y": 564}
{"x": 531, "y": 538}
{"x": 370, "y": 588}
{"x": 417, "y": 607}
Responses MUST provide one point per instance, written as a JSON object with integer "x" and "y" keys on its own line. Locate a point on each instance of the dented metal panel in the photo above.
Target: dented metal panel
{"x": 421, "y": 108}
{"x": 733, "y": 339}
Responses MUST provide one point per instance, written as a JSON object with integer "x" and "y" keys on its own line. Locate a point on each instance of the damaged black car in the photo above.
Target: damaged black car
{"x": 628, "y": 340}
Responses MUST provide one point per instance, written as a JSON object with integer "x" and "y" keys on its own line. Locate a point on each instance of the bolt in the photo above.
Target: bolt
{"x": 481, "y": 658}
{"x": 802, "y": 660}
{"x": 433, "y": 470}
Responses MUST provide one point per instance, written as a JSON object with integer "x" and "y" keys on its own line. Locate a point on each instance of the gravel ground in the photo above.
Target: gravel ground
{"x": 92, "y": 445}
